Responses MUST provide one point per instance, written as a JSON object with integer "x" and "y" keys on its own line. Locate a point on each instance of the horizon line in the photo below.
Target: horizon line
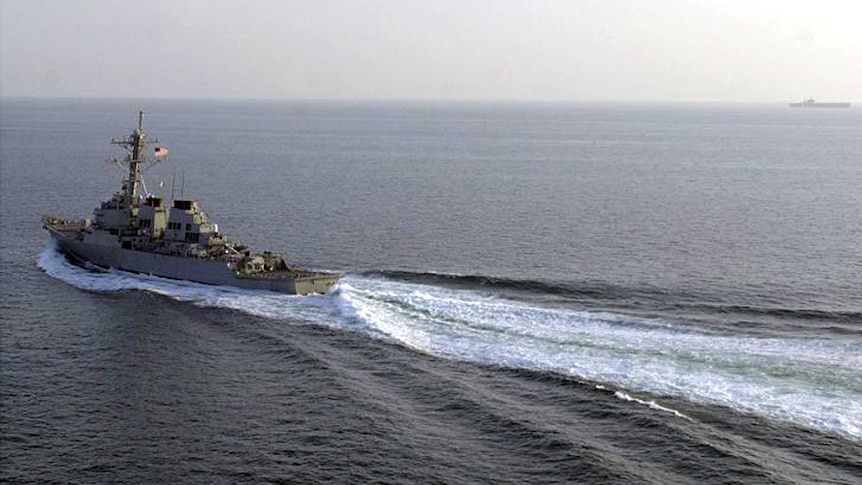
{"x": 400, "y": 100}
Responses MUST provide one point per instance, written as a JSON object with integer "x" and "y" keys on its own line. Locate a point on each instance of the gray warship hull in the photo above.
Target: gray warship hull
{"x": 199, "y": 270}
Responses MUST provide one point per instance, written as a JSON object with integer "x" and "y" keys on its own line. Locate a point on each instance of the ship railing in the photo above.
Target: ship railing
{"x": 284, "y": 273}
{"x": 265, "y": 274}
{"x": 62, "y": 224}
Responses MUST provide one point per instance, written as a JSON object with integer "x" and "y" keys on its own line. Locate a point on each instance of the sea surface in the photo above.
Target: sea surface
{"x": 532, "y": 293}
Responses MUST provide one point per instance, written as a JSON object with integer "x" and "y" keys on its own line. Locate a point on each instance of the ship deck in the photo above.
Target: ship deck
{"x": 284, "y": 274}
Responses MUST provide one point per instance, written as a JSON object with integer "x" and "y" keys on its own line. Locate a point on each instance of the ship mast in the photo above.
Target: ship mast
{"x": 135, "y": 144}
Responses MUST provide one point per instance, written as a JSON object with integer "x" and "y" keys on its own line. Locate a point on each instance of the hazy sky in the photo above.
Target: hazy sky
{"x": 590, "y": 50}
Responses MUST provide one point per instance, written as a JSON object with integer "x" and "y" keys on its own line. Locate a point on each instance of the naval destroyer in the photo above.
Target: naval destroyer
{"x": 811, "y": 103}
{"x": 138, "y": 232}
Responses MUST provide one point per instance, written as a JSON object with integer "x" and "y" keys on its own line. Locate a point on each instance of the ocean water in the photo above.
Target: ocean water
{"x": 532, "y": 293}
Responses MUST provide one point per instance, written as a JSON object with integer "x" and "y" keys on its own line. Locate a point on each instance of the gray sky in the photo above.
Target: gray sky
{"x": 579, "y": 50}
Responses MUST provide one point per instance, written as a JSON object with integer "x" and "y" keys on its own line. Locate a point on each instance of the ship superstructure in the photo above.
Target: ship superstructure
{"x": 139, "y": 232}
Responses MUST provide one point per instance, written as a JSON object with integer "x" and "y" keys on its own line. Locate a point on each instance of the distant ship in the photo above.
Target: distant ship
{"x": 811, "y": 103}
{"x": 136, "y": 231}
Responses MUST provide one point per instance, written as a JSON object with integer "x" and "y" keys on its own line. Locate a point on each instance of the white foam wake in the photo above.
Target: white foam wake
{"x": 812, "y": 382}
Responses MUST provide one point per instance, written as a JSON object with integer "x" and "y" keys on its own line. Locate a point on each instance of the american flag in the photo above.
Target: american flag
{"x": 162, "y": 152}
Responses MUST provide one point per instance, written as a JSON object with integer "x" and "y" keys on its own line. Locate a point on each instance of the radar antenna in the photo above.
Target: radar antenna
{"x": 137, "y": 161}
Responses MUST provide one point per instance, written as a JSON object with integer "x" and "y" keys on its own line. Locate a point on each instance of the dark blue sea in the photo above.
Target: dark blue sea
{"x": 532, "y": 293}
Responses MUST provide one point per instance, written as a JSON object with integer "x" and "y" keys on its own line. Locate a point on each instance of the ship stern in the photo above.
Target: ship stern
{"x": 315, "y": 283}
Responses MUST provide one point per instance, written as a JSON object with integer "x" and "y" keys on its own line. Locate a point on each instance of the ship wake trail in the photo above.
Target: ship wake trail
{"x": 638, "y": 297}
{"x": 814, "y": 383}
{"x": 811, "y": 382}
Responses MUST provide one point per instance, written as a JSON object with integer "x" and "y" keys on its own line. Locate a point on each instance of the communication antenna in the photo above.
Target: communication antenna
{"x": 136, "y": 160}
